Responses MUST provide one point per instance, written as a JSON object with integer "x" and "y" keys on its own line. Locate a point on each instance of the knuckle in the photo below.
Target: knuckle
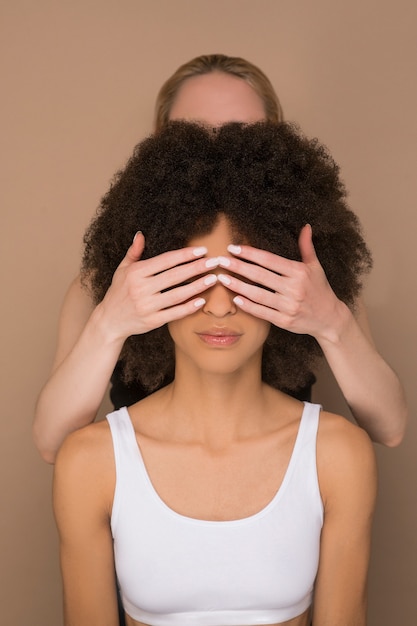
{"x": 293, "y": 309}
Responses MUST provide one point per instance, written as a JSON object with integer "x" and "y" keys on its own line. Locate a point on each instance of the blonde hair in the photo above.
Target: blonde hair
{"x": 207, "y": 63}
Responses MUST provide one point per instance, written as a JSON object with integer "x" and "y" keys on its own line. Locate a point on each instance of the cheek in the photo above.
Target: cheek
{"x": 265, "y": 331}
{"x": 260, "y": 332}
{"x": 180, "y": 332}
{"x": 173, "y": 330}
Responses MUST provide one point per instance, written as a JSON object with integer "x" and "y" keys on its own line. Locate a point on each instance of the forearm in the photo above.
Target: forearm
{"x": 370, "y": 387}
{"x": 73, "y": 394}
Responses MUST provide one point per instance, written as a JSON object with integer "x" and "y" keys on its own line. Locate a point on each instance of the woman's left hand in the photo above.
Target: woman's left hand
{"x": 294, "y": 295}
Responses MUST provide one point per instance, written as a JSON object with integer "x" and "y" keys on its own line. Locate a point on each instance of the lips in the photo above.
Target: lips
{"x": 219, "y": 337}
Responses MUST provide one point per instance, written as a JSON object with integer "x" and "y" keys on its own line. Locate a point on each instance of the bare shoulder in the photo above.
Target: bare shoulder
{"x": 345, "y": 455}
{"x": 84, "y": 483}
{"x": 77, "y": 299}
{"x": 87, "y": 454}
{"x": 338, "y": 436}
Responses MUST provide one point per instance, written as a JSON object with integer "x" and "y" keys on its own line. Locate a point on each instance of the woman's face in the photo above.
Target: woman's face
{"x": 217, "y": 98}
{"x": 219, "y": 337}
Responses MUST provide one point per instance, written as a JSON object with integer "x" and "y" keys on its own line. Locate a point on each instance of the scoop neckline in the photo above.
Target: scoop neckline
{"x": 233, "y": 522}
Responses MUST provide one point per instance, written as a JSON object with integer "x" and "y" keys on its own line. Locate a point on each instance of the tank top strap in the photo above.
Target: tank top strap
{"x": 309, "y": 421}
{"x": 123, "y": 434}
{"x": 302, "y": 470}
{"x": 304, "y": 452}
{"x": 129, "y": 464}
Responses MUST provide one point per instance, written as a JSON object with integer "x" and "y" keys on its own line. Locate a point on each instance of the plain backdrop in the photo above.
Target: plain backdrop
{"x": 79, "y": 79}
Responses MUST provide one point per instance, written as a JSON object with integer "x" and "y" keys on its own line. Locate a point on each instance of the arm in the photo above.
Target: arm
{"x": 90, "y": 339}
{"x": 371, "y": 388}
{"x": 302, "y": 301}
{"x": 347, "y": 477}
{"x": 83, "y": 486}
{"x": 84, "y": 360}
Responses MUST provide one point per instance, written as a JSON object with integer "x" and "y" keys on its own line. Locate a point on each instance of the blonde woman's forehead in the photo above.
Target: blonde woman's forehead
{"x": 217, "y": 98}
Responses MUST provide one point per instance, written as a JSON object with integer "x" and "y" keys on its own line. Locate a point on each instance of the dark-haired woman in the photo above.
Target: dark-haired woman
{"x": 218, "y": 499}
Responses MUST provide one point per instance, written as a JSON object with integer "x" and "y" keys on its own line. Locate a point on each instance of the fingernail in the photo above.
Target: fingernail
{"x": 200, "y": 251}
{"x": 238, "y": 300}
{"x": 210, "y": 279}
{"x": 224, "y": 279}
{"x": 139, "y": 232}
{"x": 224, "y": 261}
{"x": 213, "y": 262}
{"x": 234, "y": 249}
{"x": 199, "y": 302}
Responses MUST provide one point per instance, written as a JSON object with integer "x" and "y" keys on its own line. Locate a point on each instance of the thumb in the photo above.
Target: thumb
{"x": 134, "y": 253}
{"x": 306, "y": 246}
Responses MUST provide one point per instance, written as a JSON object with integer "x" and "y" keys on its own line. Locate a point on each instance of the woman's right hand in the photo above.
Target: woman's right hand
{"x": 145, "y": 295}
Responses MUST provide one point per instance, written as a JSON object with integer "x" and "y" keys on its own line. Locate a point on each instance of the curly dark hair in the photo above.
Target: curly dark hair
{"x": 269, "y": 180}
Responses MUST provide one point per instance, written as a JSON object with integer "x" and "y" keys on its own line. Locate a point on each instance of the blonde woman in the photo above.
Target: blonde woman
{"x": 212, "y": 89}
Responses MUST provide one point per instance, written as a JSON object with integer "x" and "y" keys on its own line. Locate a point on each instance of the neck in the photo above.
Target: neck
{"x": 218, "y": 408}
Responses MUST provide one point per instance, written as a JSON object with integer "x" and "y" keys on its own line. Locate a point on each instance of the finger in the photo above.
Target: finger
{"x": 268, "y": 260}
{"x": 255, "y": 293}
{"x": 259, "y": 311}
{"x": 168, "y": 260}
{"x": 135, "y": 251}
{"x": 186, "y": 292}
{"x": 180, "y": 274}
{"x": 276, "y": 317}
{"x": 306, "y": 246}
{"x": 178, "y": 312}
{"x": 251, "y": 273}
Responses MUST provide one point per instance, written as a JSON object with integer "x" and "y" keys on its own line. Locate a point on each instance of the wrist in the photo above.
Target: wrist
{"x": 341, "y": 320}
{"x": 104, "y": 329}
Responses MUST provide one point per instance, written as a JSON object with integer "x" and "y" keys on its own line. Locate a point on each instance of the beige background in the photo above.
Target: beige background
{"x": 78, "y": 86}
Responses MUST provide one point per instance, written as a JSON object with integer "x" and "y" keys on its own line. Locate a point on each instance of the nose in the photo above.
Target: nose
{"x": 219, "y": 301}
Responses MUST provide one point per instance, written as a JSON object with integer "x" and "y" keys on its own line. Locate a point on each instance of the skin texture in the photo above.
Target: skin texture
{"x": 90, "y": 338}
{"x": 243, "y": 449}
{"x": 217, "y": 99}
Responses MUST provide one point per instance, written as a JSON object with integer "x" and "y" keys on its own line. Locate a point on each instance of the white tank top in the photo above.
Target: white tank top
{"x": 178, "y": 571}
